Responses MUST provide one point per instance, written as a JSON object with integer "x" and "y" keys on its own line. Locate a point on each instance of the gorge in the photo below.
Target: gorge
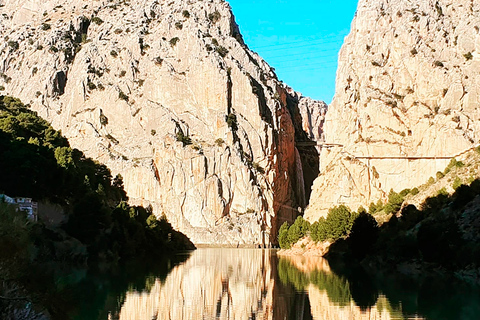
{"x": 199, "y": 126}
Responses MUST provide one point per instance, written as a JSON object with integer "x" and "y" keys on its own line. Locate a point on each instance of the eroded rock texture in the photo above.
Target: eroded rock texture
{"x": 167, "y": 94}
{"x": 407, "y": 99}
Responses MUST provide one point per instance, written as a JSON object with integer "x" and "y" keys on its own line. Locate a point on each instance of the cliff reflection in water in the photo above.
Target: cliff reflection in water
{"x": 249, "y": 284}
{"x": 211, "y": 284}
{"x": 253, "y": 284}
{"x": 333, "y": 296}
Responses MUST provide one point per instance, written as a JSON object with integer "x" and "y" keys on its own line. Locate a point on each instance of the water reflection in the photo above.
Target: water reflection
{"x": 256, "y": 284}
{"x": 212, "y": 284}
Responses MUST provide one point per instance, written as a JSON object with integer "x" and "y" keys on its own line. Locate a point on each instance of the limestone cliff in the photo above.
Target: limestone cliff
{"x": 167, "y": 94}
{"x": 407, "y": 99}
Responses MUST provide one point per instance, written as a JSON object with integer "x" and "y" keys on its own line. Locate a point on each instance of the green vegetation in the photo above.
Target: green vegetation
{"x": 441, "y": 233}
{"x": 215, "y": 16}
{"x": 258, "y": 168}
{"x": 99, "y": 228}
{"x": 174, "y": 41}
{"x": 13, "y": 44}
{"x": 186, "y": 14}
{"x": 97, "y": 20}
{"x": 232, "y": 121}
{"x": 37, "y": 162}
{"x": 183, "y": 138}
{"x": 45, "y": 26}
{"x": 337, "y": 287}
{"x": 338, "y": 224}
{"x": 468, "y": 56}
{"x": 222, "y": 51}
{"x": 178, "y": 25}
{"x": 219, "y": 142}
{"x": 123, "y": 96}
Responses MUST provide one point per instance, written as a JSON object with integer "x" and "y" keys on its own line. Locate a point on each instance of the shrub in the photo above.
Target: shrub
{"x": 414, "y": 191}
{"x": 45, "y": 26}
{"x": 283, "y": 236}
{"x": 457, "y": 183}
{"x": 440, "y": 175}
{"x": 114, "y": 53}
{"x": 452, "y": 165}
{"x": 438, "y": 64}
{"x": 103, "y": 119}
{"x": 153, "y": 132}
{"x": 215, "y": 16}
{"x": 363, "y": 235}
{"x": 174, "y": 41}
{"x": 13, "y": 44}
{"x": 91, "y": 85}
{"x": 178, "y": 25}
{"x": 375, "y": 207}
{"x": 122, "y": 96}
{"x": 232, "y": 121}
{"x": 340, "y": 221}
{"x": 97, "y": 20}
{"x": 258, "y": 168}
{"x": 186, "y": 14}
{"x": 430, "y": 181}
{"x": 219, "y": 142}
{"x": 222, "y": 51}
{"x": 158, "y": 61}
{"x": 184, "y": 139}
{"x": 298, "y": 230}
{"x": 468, "y": 56}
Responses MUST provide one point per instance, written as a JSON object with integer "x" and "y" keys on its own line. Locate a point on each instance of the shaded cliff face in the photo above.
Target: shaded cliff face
{"x": 167, "y": 94}
{"x": 406, "y": 95}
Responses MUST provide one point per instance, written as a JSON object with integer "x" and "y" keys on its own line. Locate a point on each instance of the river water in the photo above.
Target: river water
{"x": 256, "y": 284}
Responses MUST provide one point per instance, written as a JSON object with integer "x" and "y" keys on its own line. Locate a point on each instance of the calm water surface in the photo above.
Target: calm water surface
{"x": 256, "y": 284}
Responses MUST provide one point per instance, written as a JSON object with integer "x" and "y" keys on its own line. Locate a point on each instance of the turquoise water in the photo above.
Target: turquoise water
{"x": 256, "y": 284}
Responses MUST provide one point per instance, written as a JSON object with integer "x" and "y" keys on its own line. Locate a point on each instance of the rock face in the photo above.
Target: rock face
{"x": 167, "y": 94}
{"x": 407, "y": 99}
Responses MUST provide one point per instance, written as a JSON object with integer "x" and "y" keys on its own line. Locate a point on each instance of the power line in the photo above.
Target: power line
{"x": 286, "y": 55}
{"x": 304, "y": 59}
{"x": 304, "y": 40}
{"x": 304, "y": 45}
{"x": 306, "y": 69}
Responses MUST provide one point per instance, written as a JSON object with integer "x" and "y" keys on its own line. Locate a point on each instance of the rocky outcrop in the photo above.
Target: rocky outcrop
{"x": 407, "y": 99}
{"x": 167, "y": 94}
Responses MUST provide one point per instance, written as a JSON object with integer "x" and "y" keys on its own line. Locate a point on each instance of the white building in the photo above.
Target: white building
{"x": 22, "y": 204}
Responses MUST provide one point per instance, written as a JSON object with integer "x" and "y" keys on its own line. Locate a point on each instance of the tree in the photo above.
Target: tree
{"x": 298, "y": 230}
{"x": 339, "y": 221}
{"x": 283, "y": 236}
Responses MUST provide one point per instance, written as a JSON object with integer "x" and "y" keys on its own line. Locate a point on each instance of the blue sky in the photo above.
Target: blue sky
{"x": 300, "y": 39}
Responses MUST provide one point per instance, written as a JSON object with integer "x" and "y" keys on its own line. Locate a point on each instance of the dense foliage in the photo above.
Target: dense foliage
{"x": 99, "y": 228}
{"x": 338, "y": 224}
{"x": 37, "y": 162}
{"x": 443, "y": 232}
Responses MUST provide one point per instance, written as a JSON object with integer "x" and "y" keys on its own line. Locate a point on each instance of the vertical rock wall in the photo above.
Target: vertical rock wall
{"x": 407, "y": 99}
{"x": 167, "y": 94}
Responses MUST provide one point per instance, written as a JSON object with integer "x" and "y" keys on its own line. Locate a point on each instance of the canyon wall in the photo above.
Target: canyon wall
{"x": 406, "y": 101}
{"x": 167, "y": 94}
